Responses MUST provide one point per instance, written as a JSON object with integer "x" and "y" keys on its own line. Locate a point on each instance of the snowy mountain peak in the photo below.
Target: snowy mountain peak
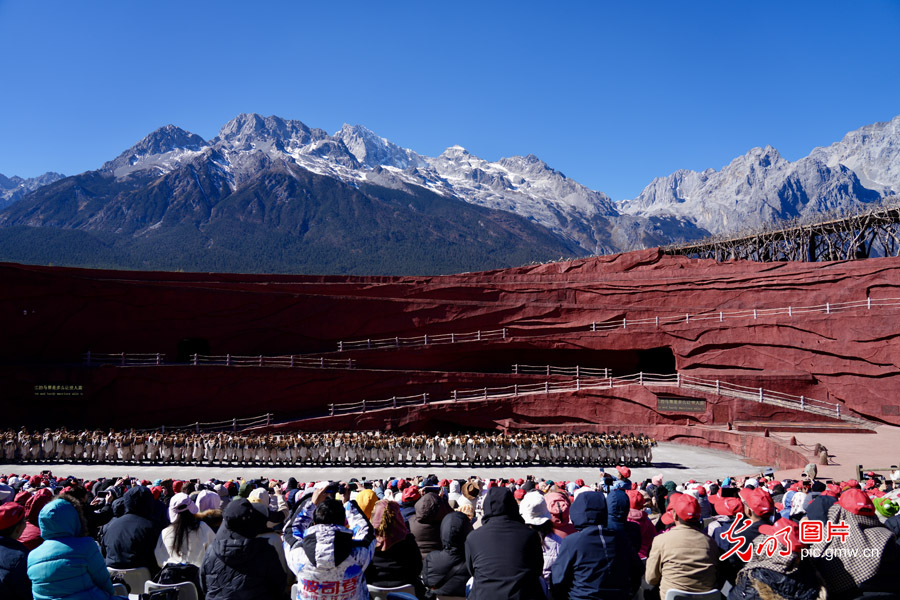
{"x": 530, "y": 164}
{"x": 872, "y": 152}
{"x": 13, "y": 188}
{"x": 372, "y": 151}
{"x": 765, "y": 157}
{"x": 756, "y": 189}
{"x": 455, "y": 151}
{"x": 360, "y": 131}
{"x": 165, "y": 140}
{"x": 250, "y": 130}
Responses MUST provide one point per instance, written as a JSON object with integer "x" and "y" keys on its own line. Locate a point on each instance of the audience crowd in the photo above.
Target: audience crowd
{"x": 751, "y": 538}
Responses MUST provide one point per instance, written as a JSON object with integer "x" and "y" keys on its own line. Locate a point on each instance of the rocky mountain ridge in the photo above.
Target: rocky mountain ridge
{"x": 14, "y": 188}
{"x": 188, "y": 176}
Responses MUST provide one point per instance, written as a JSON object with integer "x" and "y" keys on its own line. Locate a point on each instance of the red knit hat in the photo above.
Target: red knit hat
{"x": 625, "y": 472}
{"x": 519, "y": 494}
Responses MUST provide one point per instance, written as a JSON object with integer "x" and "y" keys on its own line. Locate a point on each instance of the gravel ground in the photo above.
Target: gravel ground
{"x": 677, "y": 462}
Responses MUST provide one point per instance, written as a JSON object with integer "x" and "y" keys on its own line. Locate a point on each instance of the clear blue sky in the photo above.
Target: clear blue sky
{"x": 611, "y": 94}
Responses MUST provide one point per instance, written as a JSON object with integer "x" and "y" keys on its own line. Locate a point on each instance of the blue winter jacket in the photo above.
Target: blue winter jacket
{"x": 595, "y": 562}
{"x": 66, "y": 566}
{"x": 617, "y": 507}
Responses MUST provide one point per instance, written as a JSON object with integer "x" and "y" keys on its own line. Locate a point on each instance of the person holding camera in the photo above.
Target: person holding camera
{"x": 329, "y": 545}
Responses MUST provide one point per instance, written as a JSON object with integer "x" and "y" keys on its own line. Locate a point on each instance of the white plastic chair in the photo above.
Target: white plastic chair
{"x": 295, "y": 592}
{"x": 186, "y": 589}
{"x": 681, "y": 595}
{"x": 380, "y": 593}
{"x": 133, "y": 578}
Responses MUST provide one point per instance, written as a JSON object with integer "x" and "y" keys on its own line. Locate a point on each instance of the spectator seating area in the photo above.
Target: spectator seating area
{"x": 600, "y": 536}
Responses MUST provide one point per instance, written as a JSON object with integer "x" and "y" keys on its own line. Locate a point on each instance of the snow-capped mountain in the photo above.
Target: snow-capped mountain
{"x": 523, "y": 185}
{"x": 161, "y": 150}
{"x": 373, "y": 151}
{"x": 13, "y": 188}
{"x": 756, "y": 189}
{"x": 264, "y": 168}
{"x": 872, "y": 152}
{"x": 267, "y": 195}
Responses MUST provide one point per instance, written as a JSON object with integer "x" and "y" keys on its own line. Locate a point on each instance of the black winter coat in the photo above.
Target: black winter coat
{"x": 749, "y": 582}
{"x": 401, "y": 564}
{"x": 444, "y": 571}
{"x": 425, "y": 524}
{"x": 504, "y": 555}
{"x": 14, "y": 582}
{"x": 128, "y": 541}
{"x": 238, "y": 565}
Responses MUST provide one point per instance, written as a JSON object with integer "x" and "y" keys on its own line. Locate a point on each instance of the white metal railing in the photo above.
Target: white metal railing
{"x": 577, "y": 371}
{"x": 678, "y": 380}
{"x": 424, "y": 340}
{"x": 123, "y": 359}
{"x": 228, "y": 424}
{"x": 626, "y": 323}
{"x": 260, "y": 360}
{"x": 745, "y": 314}
{"x": 229, "y": 360}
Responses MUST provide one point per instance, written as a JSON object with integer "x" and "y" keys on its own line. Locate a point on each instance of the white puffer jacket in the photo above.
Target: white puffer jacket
{"x": 328, "y": 560}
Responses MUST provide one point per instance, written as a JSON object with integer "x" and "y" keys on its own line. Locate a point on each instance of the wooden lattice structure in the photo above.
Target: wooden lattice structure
{"x": 870, "y": 233}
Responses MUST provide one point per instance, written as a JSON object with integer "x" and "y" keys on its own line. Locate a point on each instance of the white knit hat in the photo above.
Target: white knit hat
{"x": 534, "y": 509}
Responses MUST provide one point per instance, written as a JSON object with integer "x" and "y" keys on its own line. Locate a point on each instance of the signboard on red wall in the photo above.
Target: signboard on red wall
{"x": 680, "y": 404}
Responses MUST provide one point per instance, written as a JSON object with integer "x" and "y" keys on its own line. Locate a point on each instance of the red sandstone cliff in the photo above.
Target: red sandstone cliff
{"x": 51, "y": 316}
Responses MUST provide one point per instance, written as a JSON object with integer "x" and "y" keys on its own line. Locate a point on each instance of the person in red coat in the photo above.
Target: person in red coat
{"x": 636, "y": 514}
{"x": 31, "y": 537}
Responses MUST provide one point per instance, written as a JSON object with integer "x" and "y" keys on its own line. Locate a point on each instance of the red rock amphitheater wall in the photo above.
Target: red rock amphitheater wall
{"x": 52, "y": 316}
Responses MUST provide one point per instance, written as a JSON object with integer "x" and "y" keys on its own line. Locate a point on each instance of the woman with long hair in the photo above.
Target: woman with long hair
{"x": 186, "y": 539}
